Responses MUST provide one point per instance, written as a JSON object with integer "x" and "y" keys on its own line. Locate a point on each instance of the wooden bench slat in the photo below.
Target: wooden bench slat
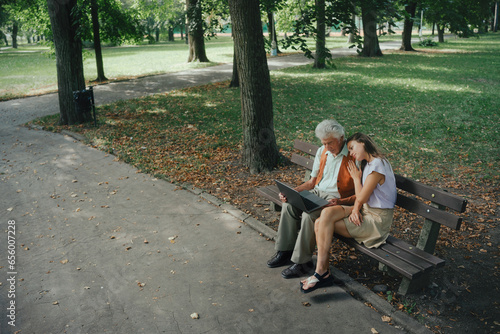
{"x": 308, "y": 148}
{"x": 435, "y": 195}
{"x": 271, "y": 193}
{"x": 434, "y": 260}
{"x": 407, "y": 257}
{"x": 402, "y": 267}
{"x": 427, "y": 211}
{"x": 302, "y": 161}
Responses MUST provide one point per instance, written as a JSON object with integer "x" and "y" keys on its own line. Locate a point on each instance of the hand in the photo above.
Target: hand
{"x": 355, "y": 172}
{"x": 283, "y": 198}
{"x": 333, "y": 202}
{"x": 355, "y": 218}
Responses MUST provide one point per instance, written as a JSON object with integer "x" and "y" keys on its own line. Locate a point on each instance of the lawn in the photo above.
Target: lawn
{"x": 435, "y": 112}
{"x": 31, "y": 69}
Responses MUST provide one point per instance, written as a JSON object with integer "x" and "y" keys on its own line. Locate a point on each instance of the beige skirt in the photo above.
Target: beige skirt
{"x": 375, "y": 227}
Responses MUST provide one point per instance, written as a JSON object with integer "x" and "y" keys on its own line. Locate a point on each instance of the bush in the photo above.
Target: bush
{"x": 427, "y": 42}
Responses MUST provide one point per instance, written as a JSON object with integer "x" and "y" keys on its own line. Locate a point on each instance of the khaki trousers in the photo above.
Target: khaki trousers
{"x": 296, "y": 232}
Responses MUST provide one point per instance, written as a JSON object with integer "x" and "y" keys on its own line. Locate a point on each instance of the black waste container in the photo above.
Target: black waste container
{"x": 84, "y": 103}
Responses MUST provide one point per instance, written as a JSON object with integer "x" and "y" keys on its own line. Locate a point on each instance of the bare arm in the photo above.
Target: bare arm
{"x": 363, "y": 192}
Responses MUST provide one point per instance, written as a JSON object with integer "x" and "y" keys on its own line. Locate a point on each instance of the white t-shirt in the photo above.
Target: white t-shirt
{"x": 328, "y": 181}
{"x": 383, "y": 196}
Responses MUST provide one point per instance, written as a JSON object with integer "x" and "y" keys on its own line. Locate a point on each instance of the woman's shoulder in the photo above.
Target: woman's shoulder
{"x": 380, "y": 164}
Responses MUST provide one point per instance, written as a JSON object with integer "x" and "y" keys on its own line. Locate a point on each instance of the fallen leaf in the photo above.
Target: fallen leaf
{"x": 374, "y": 331}
{"x": 386, "y": 318}
{"x": 195, "y": 316}
{"x": 64, "y": 261}
{"x": 306, "y": 304}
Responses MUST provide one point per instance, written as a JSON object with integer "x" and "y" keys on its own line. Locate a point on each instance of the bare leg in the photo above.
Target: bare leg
{"x": 330, "y": 221}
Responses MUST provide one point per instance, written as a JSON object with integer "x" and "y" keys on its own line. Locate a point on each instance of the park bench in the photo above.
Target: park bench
{"x": 413, "y": 262}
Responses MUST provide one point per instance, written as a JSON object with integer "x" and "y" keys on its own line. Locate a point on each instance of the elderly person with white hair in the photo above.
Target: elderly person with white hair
{"x": 330, "y": 179}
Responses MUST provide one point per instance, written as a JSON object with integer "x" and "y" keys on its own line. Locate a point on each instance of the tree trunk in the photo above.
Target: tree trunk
{"x": 171, "y": 34}
{"x": 495, "y": 18}
{"x": 94, "y": 12}
{"x": 235, "y": 82}
{"x": 320, "y": 56}
{"x": 195, "y": 34}
{"x": 410, "y": 9}
{"x": 69, "y": 63}
{"x": 15, "y": 29}
{"x": 351, "y": 38}
{"x": 371, "y": 47}
{"x": 4, "y": 37}
{"x": 440, "y": 29}
{"x": 271, "y": 27}
{"x": 260, "y": 152}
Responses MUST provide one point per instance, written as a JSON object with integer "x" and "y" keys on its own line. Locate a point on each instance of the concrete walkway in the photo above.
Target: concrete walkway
{"x": 102, "y": 248}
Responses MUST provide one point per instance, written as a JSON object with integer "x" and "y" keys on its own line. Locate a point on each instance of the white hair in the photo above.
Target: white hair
{"x": 329, "y": 128}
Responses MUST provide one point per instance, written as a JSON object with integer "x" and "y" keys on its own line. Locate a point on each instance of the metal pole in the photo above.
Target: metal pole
{"x": 421, "y": 22}
{"x": 274, "y": 47}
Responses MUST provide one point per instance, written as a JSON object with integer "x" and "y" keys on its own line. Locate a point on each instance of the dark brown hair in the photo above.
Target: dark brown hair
{"x": 370, "y": 146}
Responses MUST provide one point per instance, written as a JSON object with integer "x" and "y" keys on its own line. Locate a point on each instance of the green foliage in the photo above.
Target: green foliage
{"x": 337, "y": 14}
{"x": 459, "y": 16}
{"x": 434, "y": 113}
{"x": 117, "y": 24}
{"x": 429, "y": 41}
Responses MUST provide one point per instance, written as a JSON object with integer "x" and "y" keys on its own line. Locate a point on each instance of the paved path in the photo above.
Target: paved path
{"x": 102, "y": 248}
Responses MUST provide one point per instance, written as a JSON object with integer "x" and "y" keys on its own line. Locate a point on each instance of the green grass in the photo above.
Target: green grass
{"x": 31, "y": 69}
{"x": 435, "y": 112}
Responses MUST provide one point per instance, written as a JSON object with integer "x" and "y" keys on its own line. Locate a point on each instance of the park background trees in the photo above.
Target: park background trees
{"x": 117, "y": 21}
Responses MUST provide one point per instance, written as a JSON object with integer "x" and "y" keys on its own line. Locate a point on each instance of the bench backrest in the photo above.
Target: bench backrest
{"x": 409, "y": 194}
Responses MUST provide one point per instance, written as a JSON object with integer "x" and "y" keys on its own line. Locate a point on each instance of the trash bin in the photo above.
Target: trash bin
{"x": 84, "y": 103}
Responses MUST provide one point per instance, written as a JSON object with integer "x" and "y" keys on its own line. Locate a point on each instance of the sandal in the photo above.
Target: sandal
{"x": 320, "y": 280}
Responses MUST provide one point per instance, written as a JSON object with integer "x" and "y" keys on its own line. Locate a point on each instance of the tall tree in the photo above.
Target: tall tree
{"x": 312, "y": 18}
{"x": 195, "y": 31}
{"x": 107, "y": 21}
{"x": 97, "y": 41}
{"x": 461, "y": 17}
{"x": 369, "y": 14}
{"x": 321, "y": 50}
{"x": 260, "y": 151}
{"x": 409, "y": 15}
{"x": 69, "y": 63}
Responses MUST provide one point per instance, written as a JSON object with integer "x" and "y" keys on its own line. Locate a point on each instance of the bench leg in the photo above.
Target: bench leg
{"x": 415, "y": 285}
{"x": 275, "y": 207}
{"x": 407, "y": 286}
